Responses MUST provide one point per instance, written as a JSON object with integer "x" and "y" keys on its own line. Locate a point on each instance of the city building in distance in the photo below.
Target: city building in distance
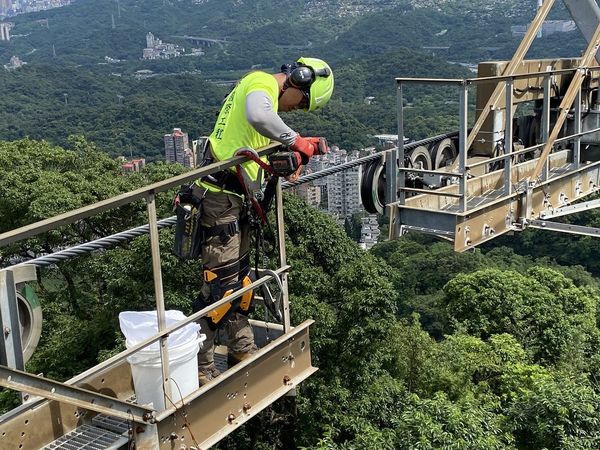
{"x": 14, "y": 63}
{"x": 13, "y": 7}
{"x": 157, "y": 49}
{"x": 135, "y": 165}
{"x": 178, "y": 150}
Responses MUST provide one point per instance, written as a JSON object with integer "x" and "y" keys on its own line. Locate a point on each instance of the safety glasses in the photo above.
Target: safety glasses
{"x": 305, "y": 102}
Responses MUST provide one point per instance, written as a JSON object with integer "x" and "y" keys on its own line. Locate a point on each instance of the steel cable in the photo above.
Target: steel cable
{"x": 124, "y": 236}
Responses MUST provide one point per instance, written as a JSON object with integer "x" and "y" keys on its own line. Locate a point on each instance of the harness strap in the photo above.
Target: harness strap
{"x": 225, "y": 231}
{"x": 234, "y": 269}
{"x": 225, "y": 179}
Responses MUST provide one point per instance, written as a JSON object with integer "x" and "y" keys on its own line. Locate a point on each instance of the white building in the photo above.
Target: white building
{"x": 343, "y": 188}
{"x": 5, "y": 31}
{"x": 157, "y": 49}
{"x": 15, "y": 63}
{"x": 369, "y": 232}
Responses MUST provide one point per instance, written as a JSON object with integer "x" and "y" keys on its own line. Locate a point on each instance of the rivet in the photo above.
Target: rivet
{"x": 246, "y": 407}
{"x": 231, "y": 418}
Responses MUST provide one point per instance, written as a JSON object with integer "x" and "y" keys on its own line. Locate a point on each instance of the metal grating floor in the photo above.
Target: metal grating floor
{"x": 87, "y": 437}
{"x": 221, "y": 362}
{"x": 119, "y": 426}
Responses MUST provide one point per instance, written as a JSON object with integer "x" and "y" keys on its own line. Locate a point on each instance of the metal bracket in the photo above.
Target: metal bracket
{"x": 526, "y": 202}
{"x": 272, "y": 304}
{"x": 444, "y": 234}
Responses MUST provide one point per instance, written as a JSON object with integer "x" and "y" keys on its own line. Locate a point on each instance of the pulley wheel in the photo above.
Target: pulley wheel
{"x": 372, "y": 187}
{"x": 443, "y": 153}
{"x": 420, "y": 158}
{"x": 30, "y": 320}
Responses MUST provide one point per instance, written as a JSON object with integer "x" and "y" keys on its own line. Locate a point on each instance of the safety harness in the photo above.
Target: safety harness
{"x": 225, "y": 279}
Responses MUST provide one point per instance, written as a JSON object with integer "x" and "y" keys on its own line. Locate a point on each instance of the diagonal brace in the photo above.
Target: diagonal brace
{"x": 567, "y": 101}
{"x": 82, "y": 398}
{"x": 571, "y": 209}
{"x": 564, "y": 228}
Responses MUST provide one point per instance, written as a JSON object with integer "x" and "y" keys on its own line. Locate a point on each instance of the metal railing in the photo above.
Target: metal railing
{"x": 462, "y": 167}
{"x": 147, "y": 193}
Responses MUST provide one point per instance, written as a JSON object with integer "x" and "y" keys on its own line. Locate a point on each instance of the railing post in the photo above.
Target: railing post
{"x": 395, "y": 180}
{"x": 282, "y": 258}
{"x": 462, "y": 142}
{"x": 508, "y": 138}
{"x": 158, "y": 292}
{"x": 577, "y": 130}
{"x": 11, "y": 350}
{"x": 546, "y": 119}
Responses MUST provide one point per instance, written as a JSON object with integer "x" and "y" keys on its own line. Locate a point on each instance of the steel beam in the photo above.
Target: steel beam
{"x": 282, "y": 257}
{"x": 463, "y": 145}
{"x": 532, "y": 31}
{"x": 394, "y": 180}
{"x": 571, "y": 209}
{"x": 37, "y": 423}
{"x": 586, "y": 15}
{"x": 564, "y": 228}
{"x": 159, "y": 296}
{"x": 82, "y": 398}
{"x": 508, "y": 136}
{"x": 239, "y": 394}
{"x": 497, "y": 214}
{"x": 567, "y": 101}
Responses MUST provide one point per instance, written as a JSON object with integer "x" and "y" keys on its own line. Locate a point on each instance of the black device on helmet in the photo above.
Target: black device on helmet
{"x": 301, "y": 76}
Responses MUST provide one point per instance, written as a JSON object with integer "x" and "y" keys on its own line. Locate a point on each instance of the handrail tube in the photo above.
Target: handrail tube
{"x": 430, "y": 172}
{"x": 528, "y": 149}
{"x": 431, "y": 192}
{"x": 493, "y": 79}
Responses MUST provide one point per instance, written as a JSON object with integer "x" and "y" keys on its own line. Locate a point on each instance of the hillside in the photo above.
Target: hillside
{"x": 89, "y": 30}
{"x": 69, "y": 87}
{"x": 124, "y": 115}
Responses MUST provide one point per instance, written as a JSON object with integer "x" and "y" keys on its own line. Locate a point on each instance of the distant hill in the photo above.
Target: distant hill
{"x": 265, "y": 33}
{"x": 368, "y": 43}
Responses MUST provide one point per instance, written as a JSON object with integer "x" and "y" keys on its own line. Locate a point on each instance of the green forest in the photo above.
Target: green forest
{"x": 127, "y": 116}
{"x": 492, "y": 349}
{"x": 489, "y": 349}
{"x": 68, "y": 88}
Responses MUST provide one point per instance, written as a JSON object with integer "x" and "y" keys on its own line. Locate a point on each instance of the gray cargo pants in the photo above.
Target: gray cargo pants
{"x": 219, "y": 209}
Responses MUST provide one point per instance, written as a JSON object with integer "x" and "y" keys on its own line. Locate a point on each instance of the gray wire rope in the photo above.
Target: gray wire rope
{"x": 98, "y": 244}
{"x": 124, "y": 236}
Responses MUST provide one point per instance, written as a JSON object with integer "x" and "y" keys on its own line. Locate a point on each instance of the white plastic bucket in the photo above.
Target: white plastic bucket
{"x": 147, "y": 373}
{"x": 182, "y": 346}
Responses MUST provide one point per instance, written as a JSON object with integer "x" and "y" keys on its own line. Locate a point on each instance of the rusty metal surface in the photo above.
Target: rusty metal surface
{"x": 238, "y": 395}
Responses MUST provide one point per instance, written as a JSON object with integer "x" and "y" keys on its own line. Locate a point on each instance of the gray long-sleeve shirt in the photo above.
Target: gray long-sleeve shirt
{"x": 260, "y": 114}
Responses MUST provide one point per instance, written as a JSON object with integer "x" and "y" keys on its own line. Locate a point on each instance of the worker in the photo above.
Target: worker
{"x": 248, "y": 118}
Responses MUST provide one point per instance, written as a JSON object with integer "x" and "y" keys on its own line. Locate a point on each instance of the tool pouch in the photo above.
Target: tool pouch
{"x": 188, "y": 232}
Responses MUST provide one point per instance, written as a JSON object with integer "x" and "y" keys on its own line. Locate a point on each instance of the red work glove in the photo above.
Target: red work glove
{"x": 320, "y": 144}
{"x": 309, "y": 146}
{"x": 304, "y": 149}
